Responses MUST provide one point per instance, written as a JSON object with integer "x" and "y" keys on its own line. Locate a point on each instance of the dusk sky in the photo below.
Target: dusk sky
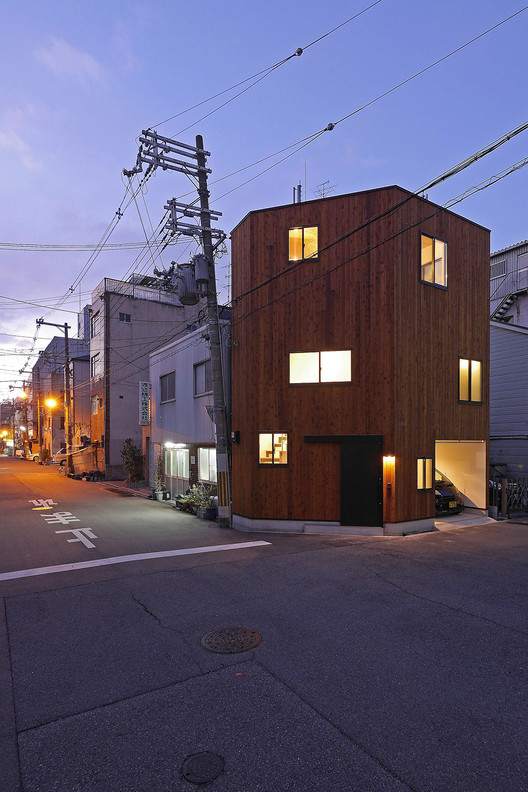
{"x": 82, "y": 79}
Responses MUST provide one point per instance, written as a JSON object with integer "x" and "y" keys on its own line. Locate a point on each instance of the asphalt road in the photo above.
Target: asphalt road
{"x": 389, "y": 664}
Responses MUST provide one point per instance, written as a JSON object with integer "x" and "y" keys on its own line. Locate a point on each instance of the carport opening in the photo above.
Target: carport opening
{"x": 464, "y": 462}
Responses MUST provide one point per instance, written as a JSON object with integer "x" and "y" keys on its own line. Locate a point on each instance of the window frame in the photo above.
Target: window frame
{"x": 314, "y": 256}
{"x": 165, "y": 378}
{"x": 125, "y": 320}
{"x": 318, "y": 381}
{"x": 433, "y": 282}
{"x": 95, "y": 321}
{"x": 211, "y": 452}
{"x": 424, "y": 460}
{"x": 95, "y": 362}
{"x": 94, "y": 402}
{"x": 272, "y": 463}
{"x": 469, "y": 400}
{"x": 195, "y": 367}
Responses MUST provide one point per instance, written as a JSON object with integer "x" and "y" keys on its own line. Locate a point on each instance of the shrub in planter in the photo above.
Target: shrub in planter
{"x": 132, "y": 460}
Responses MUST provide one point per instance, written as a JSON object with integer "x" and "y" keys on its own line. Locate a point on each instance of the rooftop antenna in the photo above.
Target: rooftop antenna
{"x": 325, "y": 189}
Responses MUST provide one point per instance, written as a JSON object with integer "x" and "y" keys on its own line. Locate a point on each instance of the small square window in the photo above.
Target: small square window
{"x": 434, "y": 261}
{"x": 273, "y": 448}
{"x": 424, "y": 473}
{"x": 303, "y": 243}
{"x": 125, "y": 317}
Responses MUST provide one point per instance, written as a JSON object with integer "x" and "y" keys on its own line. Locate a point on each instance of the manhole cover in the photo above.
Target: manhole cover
{"x": 202, "y": 767}
{"x": 231, "y": 640}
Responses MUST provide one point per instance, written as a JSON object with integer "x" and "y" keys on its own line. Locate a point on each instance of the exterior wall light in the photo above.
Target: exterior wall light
{"x": 389, "y": 470}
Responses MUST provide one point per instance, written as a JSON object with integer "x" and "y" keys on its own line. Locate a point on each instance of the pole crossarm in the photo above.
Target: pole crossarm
{"x": 175, "y": 225}
{"x": 155, "y": 149}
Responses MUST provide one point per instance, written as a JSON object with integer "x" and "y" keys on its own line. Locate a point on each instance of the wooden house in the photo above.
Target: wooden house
{"x": 360, "y": 348}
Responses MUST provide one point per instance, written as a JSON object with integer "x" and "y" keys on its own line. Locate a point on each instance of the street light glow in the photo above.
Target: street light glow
{"x": 50, "y": 402}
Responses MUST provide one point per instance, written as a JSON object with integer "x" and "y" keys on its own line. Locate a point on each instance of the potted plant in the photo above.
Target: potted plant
{"x": 203, "y": 498}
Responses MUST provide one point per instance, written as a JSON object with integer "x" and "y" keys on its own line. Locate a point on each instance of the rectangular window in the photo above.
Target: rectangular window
{"x": 207, "y": 464}
{"x": 434, "y": 261}
{"x": 424, "y": 473}
{"x": 95, "y": 324}
{"x": 203, "y": 380}
{"x": 94, "y": 402}
{"x": 95, "y": 365}
{"x": 498, "y": 269}
{"x": 168, "y": 387}
{"x": 469, "y": 380}
{"x": 303, "y": 243}
{"x": 308, "y": 367}
{"x": 124, "y": 317}
{"x": 273, "y": 448}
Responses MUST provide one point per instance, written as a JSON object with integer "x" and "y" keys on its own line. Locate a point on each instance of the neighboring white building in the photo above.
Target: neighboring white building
{"x": 181, "y": 408}
{"x": 128, "y": 320}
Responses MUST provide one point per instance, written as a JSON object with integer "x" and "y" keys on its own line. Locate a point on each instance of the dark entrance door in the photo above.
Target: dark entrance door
{"x": 362, "y": 481}
{"x": 361, "y": 477}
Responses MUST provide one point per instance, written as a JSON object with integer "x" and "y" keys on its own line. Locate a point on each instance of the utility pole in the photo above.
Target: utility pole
{"x": 155, "y": 151}
{"x": 213, "y": 329}
{"x": 67, "y": 392}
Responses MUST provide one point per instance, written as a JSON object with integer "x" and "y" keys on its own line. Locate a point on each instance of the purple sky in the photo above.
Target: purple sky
{"x": 81, "y": 80}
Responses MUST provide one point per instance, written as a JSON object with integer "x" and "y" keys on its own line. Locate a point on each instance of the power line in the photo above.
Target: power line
{"x": 260, "y": 75}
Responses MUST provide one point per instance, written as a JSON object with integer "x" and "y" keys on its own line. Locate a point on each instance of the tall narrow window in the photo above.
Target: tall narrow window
{"x": 168, "y": 387}
{"x": 207, "y": 464}
{"x": 469, "y": 380}
{"x": 273, "y": 448}
{"x": 424, "y": 473}
{"x": 95, "y": 324}
{"x": 308, "y": 367}
{"x": 95, "y": 365}
{"x": 303, "y": 243}
{"x": 203, "y": 380}
{"x": 434, "y": 261}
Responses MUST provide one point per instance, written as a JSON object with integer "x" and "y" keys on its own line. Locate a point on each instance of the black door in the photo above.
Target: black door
{"x": 362, "y": 480}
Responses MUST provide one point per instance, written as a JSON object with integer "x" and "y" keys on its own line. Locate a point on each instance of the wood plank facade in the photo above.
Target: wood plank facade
{"x": 362, "y": 292}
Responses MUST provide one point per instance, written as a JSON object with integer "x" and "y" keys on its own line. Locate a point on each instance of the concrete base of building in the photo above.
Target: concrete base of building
{"x": 333, "y": 528}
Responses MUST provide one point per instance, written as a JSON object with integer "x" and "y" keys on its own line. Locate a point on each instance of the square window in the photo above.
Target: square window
{"x": 273, "y": 448}
{"x": 424, "y": 473}
{"x": 303, "y": 243}
{"x": 168, "y": 387}
{"x": 125, "y": 317}
{"x": 433, "y": 261}
{"x": 336, "y": 366}
{"x": 304, "y": 367}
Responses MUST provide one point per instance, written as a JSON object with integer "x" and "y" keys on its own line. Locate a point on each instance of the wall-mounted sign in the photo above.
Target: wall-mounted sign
{"x": 144, "y": 403}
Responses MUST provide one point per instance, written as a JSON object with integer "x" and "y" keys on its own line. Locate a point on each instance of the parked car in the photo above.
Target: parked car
{"x": 59, "y": 457}
{"x": 448, "y": 499}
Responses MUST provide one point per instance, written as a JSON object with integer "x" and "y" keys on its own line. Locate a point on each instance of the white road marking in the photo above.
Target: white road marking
{"x": 81, "y": 535}
{"x": 60, "y": 517}
{"x": 22, "y": 573}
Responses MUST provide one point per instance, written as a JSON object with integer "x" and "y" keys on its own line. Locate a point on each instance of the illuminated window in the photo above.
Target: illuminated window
{"x": 469, "y": 380}
{"x": 424, "y": 473}
{"x": 168, "y": 387}
{"x": 434, "y": 261}
{"x": 94, "y": 405}
{"x": 273, "y": 448}
{"x": 308, "y": 367}
{"x": 203, "y": 381}
{"x": 207, "y": 464}
{"x": 303, "y": 243}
